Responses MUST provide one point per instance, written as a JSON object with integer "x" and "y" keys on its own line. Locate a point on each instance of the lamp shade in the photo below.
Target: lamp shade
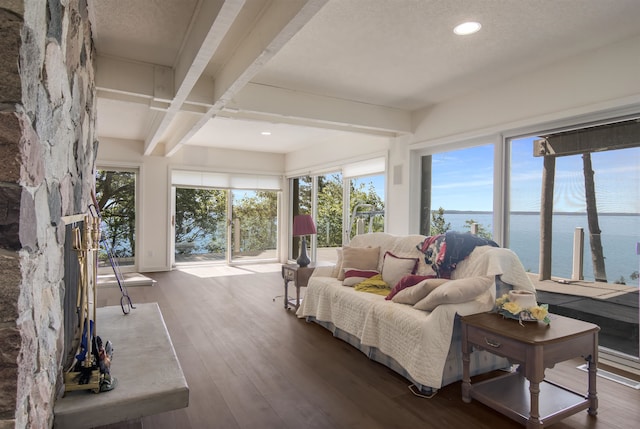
{"x": 303, "y": 225}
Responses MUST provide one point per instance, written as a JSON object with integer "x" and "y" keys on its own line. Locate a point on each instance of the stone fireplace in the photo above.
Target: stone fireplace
{"x": 47, "y": 158}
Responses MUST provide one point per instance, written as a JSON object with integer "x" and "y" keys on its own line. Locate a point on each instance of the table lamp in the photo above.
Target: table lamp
{"x": 302, "y": 226}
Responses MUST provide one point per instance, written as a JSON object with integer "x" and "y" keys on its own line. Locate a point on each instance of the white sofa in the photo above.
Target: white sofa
{"x": 423, "y": 346}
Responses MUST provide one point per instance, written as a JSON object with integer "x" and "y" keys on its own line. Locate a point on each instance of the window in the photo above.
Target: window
{"x": 616, "y": 195}
{"x": 116, "y": 197}
{"x": 329, "y": 219}
{"x": 582, "y": 182}
{"x": 301, "y": 192}
{"x": 225, "y": 217}
{"x": 366, "y": 201}
{"x": 460, "y": 192}
{"x": 342, "y": 203}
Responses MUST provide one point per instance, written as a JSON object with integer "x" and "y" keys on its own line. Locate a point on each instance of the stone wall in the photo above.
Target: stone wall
{"x": 47, "y": 158}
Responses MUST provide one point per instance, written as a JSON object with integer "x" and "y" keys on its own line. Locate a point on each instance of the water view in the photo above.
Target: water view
{"x": 620, "y": 233}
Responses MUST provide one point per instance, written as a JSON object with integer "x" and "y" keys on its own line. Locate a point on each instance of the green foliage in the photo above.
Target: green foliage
{"x": 200, "y": 216}
{"x": 115, "y": 192}
{"x": 438, "y": 223}
{"x": 482, "y": 231}
{"x": 620, "y": 281}
{"x": 329, "y": 219}
{"x": 440, "y": 226}
{"x": 201, "y": 221}
{"x": 257, "y": 214}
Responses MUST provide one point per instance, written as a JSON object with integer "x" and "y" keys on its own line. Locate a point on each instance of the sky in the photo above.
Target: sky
{"x": 463, "y": 180}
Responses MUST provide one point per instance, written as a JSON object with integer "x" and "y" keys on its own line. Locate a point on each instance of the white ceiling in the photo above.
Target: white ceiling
{"x": 217, "y": 73}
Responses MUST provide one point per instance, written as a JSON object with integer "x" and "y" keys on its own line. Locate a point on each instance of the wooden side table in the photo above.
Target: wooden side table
{"x": 300, "y": 277}
{"x": 535, "y": 346}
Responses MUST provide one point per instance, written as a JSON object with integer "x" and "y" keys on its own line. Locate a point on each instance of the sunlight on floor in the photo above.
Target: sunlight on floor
{"x": 206, "y": 271}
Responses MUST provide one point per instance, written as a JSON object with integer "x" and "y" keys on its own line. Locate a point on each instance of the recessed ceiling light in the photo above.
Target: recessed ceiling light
{"x": 467, "y": 28}
{"x": 266, "y": 133}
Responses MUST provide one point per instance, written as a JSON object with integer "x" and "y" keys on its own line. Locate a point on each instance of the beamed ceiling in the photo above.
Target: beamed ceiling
{"x": 218, "y": 73}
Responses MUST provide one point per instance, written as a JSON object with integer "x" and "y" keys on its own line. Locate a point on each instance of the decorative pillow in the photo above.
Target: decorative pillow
{"x": 361, "y": 258}
{"x": 374, "y": 284}
{"x": 455, "y": 291}
{"x": 407, "y": 281}
{"x": 353, "y": 277}
{"x": 413, "y": 294}
{"x": 338, "y": 266}
{"x": 396, "y": 267}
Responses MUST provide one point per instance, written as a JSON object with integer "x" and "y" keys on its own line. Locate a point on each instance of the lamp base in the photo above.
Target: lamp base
{"x": 303, "y": 260}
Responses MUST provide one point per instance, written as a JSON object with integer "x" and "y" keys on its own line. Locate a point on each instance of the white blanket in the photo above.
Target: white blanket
{"x": 418, "y": 340}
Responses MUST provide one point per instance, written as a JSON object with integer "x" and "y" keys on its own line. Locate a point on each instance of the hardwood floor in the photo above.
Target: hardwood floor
{"x": 251, "y": 364}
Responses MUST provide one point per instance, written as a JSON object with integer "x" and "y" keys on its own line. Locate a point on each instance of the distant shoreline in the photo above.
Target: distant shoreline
{"x": 536, "y": 213}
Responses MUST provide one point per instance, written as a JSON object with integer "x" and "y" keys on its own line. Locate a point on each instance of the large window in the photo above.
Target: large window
{"x": 568, "y": 195}
{"x": 609, "y": 251}
{"x": 574, "y": 219}
{"x": 225, "y": 217}
{"x": 342, "y": 203}
{"x": 116, "y": 197}
{"x": 461, "y": 191}
{"x": 200, "y": 225}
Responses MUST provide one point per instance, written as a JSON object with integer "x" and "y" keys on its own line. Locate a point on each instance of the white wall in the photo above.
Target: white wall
{"x": 602, "y": 79}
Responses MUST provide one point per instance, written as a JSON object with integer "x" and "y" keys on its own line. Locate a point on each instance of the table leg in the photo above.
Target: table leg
{"x": 466, "y": 378}
{"x": 534, "y": 412}
{"x": 593, "y": 394}
{"x": 297, "y": 297}
{"x": 286, "y": 294}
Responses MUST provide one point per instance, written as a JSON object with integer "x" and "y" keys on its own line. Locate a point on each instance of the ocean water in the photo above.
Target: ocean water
{"x": 619, "y": 236}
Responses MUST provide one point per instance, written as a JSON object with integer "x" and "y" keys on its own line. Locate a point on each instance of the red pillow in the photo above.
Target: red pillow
{"x": 405, "y": 282}
{"x": 354, "y": 276}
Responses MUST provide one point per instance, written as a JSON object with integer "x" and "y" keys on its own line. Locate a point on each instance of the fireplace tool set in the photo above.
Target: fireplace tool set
{"x": 91, "y": 367}
{"x": 85, "y": 373}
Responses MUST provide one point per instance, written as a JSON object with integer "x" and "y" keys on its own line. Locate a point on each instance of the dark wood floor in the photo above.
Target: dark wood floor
{"x": 251, "y": 364}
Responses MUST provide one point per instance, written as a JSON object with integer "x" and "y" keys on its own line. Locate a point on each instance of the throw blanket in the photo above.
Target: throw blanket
{"x": 444, "y": 251}
{"x": 418, "y": 340}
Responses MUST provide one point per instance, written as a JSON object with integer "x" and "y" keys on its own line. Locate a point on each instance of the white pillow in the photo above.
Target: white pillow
{"x": 413, "y": 294}
{"x": 338, "y": 266}
{"x": 455, "y": 292}
{"x": 361, "y": 258}
{"x": 396, "y": 267}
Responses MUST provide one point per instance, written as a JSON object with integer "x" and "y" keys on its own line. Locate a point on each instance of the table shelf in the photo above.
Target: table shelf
{"x": 509, "y": 394}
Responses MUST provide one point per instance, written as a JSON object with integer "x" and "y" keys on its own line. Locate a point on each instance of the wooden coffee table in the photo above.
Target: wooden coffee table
{"x": 535, "y": 346}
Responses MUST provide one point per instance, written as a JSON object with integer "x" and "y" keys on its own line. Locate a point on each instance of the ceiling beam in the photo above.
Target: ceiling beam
{"x": 208, "y": 29}
{"x": 280, "y": 21}
{"x": 322, "y": 110}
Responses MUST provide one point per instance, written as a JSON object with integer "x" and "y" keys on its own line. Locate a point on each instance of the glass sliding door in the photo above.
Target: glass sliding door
{"x": 329, "y": 218}
{"x": 116, "y": 197}
{"x": 301, "y": 195}
{"x": 222, "y": 225}
{"x": 254, "y": 225}
{"x": 366, "y": 202}
{"x": 200, "y": 225}
{"x": 339, "y": 202}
